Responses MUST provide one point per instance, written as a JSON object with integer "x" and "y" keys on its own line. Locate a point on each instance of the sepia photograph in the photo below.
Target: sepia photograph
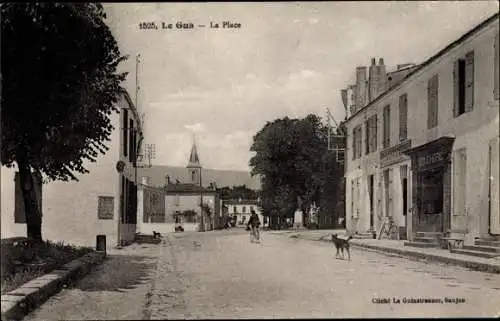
{"x": 250, "y": 160}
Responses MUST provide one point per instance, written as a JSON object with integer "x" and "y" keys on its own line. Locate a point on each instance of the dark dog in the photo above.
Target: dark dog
{"x": 156, "y": 235}
{"x": 341, "y": 245}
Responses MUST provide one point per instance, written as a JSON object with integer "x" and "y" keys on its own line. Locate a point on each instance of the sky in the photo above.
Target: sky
{"x": 221, "y": 86}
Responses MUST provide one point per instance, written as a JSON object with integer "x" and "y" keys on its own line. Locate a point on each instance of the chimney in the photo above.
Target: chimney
{"x": 382, "y": 77}
{"x": 360, "y": 92}
{"x": 372, "y": 81}
{"x": 145, "y": 180}
{"x": 343, "y": 93}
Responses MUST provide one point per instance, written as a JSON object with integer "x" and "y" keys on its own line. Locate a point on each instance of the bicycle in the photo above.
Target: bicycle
{"x": 254, "y": 235}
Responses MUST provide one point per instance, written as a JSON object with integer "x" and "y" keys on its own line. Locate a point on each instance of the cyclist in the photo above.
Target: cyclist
{"x": 254, "y": 223}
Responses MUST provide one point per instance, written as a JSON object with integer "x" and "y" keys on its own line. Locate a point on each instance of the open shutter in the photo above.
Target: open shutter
{"x": 456, "y": 100}
{"x": 375, "y": 132}
{"x": 403, "y": 110}
{"x": 496, "y": 89}
{"x": 469, "y": 81}
{"x": 354, "y": 143}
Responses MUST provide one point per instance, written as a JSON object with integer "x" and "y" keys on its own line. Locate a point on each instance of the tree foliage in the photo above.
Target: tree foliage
{"x": 60, "y": 86}
{"x": 237, "y": 192}
{"x": 293, "y": 159}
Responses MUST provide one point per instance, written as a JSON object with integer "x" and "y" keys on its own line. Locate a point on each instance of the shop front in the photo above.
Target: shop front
{"x": 431, "y": 185}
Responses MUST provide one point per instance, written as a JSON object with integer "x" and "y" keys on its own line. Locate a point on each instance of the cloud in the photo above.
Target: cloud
{"x": 196, "y": 128}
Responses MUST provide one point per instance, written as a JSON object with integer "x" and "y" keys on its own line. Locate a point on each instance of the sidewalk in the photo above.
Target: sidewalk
{"x": 397, "y": 247}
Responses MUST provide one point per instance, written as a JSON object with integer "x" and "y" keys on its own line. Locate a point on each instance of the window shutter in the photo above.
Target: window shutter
{"x": 456, "y": 100}
{"x": 354, "y": 143}
{"x": 403, "y": 114}
{"x": 367, "y": 136}
{"x": 375, "y": 132}
{"x": 469, "y": 81}
{"x": 435, "y": 99}
{"x": 496, "y": 85}
{"x": 429, "y": 104}
{"x": 432, "y": 102}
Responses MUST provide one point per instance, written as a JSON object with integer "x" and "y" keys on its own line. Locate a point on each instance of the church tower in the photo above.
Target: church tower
{"x": 194, "y": 167}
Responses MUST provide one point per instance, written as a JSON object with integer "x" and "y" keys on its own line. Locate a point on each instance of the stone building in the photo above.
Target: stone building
{"x": 424, "y": 152}
{"x": 181, "y": 202}
{"x": 75, "y": 212}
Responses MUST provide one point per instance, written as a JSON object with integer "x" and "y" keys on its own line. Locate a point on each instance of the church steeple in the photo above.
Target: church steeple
{"x": 194, "y": 166}
{"x": 194, "y": 160}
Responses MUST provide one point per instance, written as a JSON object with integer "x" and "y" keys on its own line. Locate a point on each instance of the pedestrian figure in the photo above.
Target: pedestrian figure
{"x": 254, "y": 224}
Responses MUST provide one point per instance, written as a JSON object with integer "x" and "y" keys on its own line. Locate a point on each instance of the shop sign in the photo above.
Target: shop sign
{"x": 430, "y": 159}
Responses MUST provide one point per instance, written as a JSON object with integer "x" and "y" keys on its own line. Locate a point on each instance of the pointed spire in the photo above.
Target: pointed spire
{"x": 194, "y": 160}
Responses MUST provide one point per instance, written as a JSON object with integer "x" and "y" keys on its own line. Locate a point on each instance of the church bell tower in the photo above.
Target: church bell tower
{"x": 194, "y": 167}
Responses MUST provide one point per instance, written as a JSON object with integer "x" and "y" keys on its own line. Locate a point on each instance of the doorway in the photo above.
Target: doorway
{"x": 370, "y": 195}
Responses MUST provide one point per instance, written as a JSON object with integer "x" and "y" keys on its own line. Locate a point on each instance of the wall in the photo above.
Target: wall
{"x": 472, "y": 130}
{"x": 239, "y": 211}
{"x": 70, "y": 208}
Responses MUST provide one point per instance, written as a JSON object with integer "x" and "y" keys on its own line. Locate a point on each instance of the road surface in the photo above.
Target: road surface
{"x": 222, "y": 275}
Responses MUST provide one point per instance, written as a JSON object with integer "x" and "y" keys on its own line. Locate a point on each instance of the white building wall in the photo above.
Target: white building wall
{"x": 69, "y": 209}
{"x": 472, "y": 131}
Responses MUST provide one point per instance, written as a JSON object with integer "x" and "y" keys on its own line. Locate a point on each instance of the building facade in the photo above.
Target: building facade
{"x": 178, "y": 203}
{"x": 241, "y": 209}
{"x": 425, "y": 151}
{"x": 101, "y": 202}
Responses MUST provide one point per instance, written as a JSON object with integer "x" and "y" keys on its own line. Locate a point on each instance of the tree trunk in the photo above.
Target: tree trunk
{"x": 31, "y": 211}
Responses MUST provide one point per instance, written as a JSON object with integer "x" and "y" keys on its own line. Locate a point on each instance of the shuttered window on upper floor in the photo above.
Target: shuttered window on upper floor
{"x": 463, "y": 84}
{"x": 469, "y": 81}
{"x": 403, "y": 117}
{"x": 371, "y": 134}
{"x": 357, "y": 142}
{"x": 496, "y": 66}
{"x": 432, "y": 101}
{"x": 367, "y": 135}
{"x": 387, "y": 127}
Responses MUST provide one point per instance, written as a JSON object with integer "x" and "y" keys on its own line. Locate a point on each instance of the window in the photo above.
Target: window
{"x": 251, "y": 208}
{"x": 387, "y": 126}
{"x": 357, "y": 142}
{"x": 463, "y": 84}
{"x": 367, "y": 135}
{"x": 235, "y": 210}
{"x": 496, "y": 89}
{"x": 131, "y": 140}
{"x": 177, "y": 200}
{"x": 244, "y": 209}
{"x": 105, "y": 207}
{"x": 432, "y": 101}
{"x": 403, "y": 117}
{"x": 125, "y": 137}
{"x": 371, "y": 134}
{"x": 192, "y": 176}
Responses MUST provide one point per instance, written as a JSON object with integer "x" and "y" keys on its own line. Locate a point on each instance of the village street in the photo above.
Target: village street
{"x": 222, "y": 275}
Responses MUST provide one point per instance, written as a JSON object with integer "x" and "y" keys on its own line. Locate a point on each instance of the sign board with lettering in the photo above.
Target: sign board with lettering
{"x": 431, "y": 155}
{"x": 105, "y": 207}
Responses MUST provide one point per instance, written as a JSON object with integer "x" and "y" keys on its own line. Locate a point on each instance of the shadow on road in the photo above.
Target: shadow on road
{"x": 118, "y": 273}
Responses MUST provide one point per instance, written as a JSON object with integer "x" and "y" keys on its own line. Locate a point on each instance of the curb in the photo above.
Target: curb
{"x": 477, "y": 266}
{"x": 18, "y": 303}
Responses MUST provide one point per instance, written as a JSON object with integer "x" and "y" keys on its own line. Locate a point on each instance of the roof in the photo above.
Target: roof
{"x": 194, "y": 160}
{"x": 452, "y": 45}
{"x": 185, "y": 188}
{"x": 242, "y": 202}
{"x": 222, "y": 178}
